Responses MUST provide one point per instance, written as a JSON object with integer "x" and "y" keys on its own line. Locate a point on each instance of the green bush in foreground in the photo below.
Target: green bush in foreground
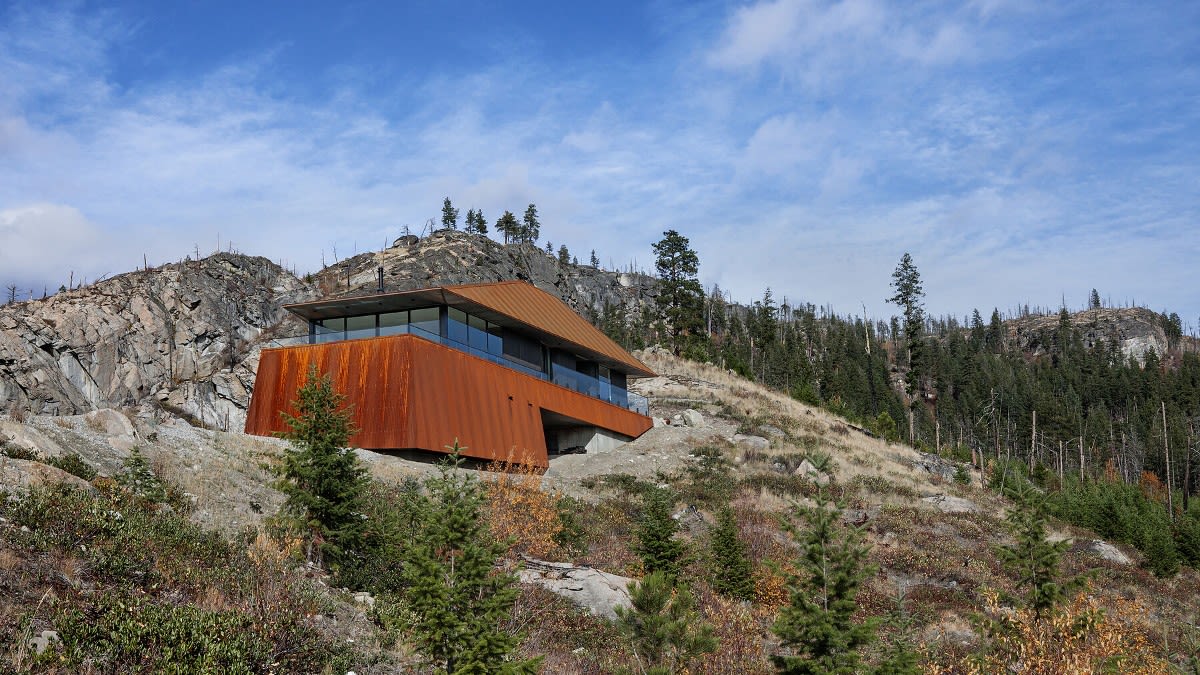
{"x": 662, "y": 626}
{"x": 457, "y": 602}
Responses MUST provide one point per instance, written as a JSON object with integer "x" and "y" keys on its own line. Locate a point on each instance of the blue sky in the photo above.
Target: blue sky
{"x": 1021, "y": 151}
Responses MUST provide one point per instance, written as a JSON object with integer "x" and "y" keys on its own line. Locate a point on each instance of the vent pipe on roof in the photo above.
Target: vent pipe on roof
{"x": 380, "y": 279}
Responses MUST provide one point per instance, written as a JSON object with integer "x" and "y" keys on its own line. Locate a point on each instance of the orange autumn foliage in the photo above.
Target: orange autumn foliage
{"x": 520, "y": 511}
{"x": 1152, "y": 487}
{"x": 1079, "y": 638}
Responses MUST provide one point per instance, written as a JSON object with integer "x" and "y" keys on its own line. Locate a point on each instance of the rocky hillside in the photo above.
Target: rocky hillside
{"x": 1135, "y": 330}
{"x": 719, "y": 440}
{"x": 453, "y": 257}
{"x": 185, "y": 337}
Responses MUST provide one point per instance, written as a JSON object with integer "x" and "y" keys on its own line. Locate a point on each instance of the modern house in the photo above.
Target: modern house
{"x": 505, "y": 368}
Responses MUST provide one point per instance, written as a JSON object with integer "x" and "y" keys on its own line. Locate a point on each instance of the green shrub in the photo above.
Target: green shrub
{"x": 571, "y": 536}
{"x": 962, "y": 475}
{"x": 707, "y": 481}
{"x": 1122, "y": 513}
{"x": 73, "y": 464}
{"x": 1187, "y": 536}
{"x": 18, "y": 452}
{"x": 126, "y": 633}
{"x": 885, "y": 427}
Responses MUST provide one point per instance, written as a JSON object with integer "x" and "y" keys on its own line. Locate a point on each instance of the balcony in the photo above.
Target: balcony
{"x": 587, "y": 385}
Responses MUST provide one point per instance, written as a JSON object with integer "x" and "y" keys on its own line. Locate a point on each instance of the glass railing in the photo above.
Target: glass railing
{"x": 563, "y": 376}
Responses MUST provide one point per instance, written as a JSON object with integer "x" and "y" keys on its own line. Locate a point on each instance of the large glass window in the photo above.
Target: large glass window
{"x": 524, "y": 351}
{"x": 495, "y": 344}
{"x": 331, "y": 330}
{"x": 456, "y": 325}
{"x": 393, "y": 323}
{"x": 478, "y": 334}
{"x": 360, "y": 326}
{"x": 605, "y": 384}
{"x": 426, "y": 320}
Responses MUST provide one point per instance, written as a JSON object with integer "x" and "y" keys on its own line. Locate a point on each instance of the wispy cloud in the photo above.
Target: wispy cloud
{"x": 801, "y": 144}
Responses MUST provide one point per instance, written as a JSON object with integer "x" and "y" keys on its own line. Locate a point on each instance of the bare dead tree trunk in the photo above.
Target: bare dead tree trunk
{"x": 1167, "y": 462}
{"x": 1187, "y": 470}
{"x": 912, "y": 439}
{"x": 1033, "y": 443}
{"x": 1081, "y": 460}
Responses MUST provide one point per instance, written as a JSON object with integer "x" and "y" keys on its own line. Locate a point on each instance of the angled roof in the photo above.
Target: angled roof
{"x": 508, "y": 303}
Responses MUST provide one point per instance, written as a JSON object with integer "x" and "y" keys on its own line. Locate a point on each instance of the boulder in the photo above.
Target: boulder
{"x": 691, "y": 418}
{"x": 44, "y": 640}
{"x": 22, "y": 474}
{"x": 598, "y": 592}
{"x": 807, "y": 470}
{"x": 756, "y": 443}
{"x": 29, "y": 438}
{"x": 948, "y": 504}
{"x": 1103, "y": 550}
{"x": 110, "y": 422}
{"x": 772, "y": 431}
{"x": 938, "y": 466}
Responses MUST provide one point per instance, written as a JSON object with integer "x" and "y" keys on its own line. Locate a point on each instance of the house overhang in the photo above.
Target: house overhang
{"x": 427, "y": 297}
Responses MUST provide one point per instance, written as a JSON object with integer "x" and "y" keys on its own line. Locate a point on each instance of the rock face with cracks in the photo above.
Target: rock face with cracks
{"x": 185, "y": 335}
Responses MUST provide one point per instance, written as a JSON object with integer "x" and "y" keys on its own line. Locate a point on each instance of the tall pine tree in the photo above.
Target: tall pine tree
{"x": 449, "y": 215}
{"x": 680, "y": 295}
{"x": 321, "y": 477}
{"x": 906, "y": 281}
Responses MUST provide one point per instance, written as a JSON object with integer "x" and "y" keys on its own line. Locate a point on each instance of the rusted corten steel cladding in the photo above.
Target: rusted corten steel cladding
{"x": 408, "y": 392}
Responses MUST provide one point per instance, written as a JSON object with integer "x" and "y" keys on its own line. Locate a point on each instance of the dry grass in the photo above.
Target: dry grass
{"x": 805, "y": 427}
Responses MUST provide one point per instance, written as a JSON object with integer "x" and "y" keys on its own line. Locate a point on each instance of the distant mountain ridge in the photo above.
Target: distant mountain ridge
{"x": 186, "y": 336}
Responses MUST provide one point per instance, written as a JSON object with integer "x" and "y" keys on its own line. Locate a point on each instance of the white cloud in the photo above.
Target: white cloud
{"x": 812, "y": 182}
{"x": 47, "y": 241}
{"x": 783, "y": 142}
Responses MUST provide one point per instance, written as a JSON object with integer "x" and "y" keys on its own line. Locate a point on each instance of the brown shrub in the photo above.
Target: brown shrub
{"x": 520, "y": 511}
{"x": 1079, "y": 638}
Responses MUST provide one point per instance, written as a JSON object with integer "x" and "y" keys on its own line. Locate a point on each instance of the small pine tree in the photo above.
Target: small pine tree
{"x": 818, "y": 624}
{"x": 508, "y": 226}
{"x": 656, "y": 544}
{"x": 449, "y": 215}
{"x": 595, "y": 262}
{"x": 321, "y": 477}
{"x": 140, "y": 479}
{"x": 732, "y": 571}
{"x": 476, "y": 223}
{"x": 458, "y": 602}
{"x": 662, "y": 626}
{"x": 564, "y": 256}
{"x": 531, "y": 229}
{"x": 1032, "y": 557}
